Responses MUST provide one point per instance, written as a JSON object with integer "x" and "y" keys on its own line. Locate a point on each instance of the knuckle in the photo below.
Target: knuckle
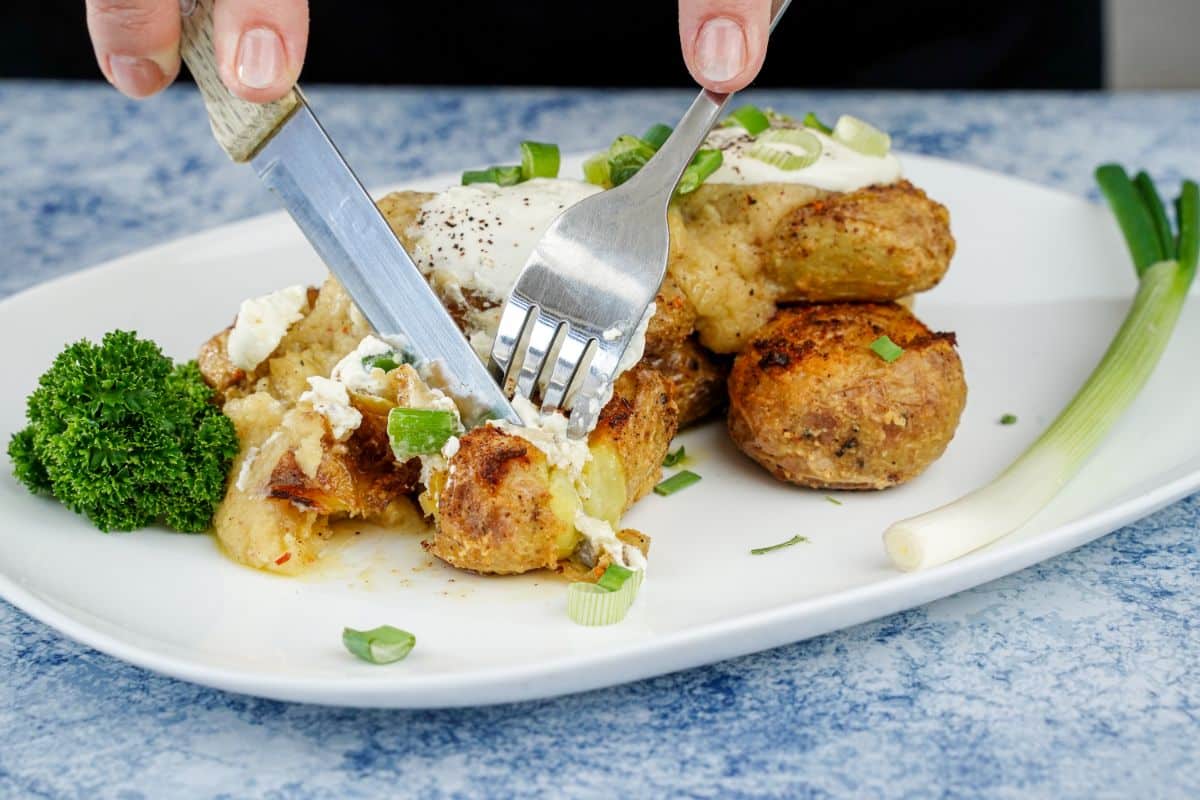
{"x": 135, "y": 17}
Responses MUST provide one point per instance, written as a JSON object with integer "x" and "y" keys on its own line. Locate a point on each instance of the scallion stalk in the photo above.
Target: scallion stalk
{"x": 1166, "y": 267}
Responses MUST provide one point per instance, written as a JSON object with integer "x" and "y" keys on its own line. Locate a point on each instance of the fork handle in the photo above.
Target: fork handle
{"x": 661, "y": 174}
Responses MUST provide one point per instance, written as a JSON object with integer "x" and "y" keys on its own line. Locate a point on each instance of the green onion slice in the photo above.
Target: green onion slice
{"x": 886, "y": 349}
{"x": 797, "y": 539}
{"x": 385, "y": 361}
{"x": 812, "y": 121}
{"x": 539, "y": 160}
{"x": 787, "y": 148}
{"x": 780, "y": 159}
{"x": 595, "y": 170}
{"x": 704, "y": 164}
{"x": 419, "y": 431}
{"x": 861, "y": 136}
{"x": 750, "y": 118}
{"x": 833, "y": 500}
{"x": 1008, "y": 419}
{"x": 626, "y": 156}
{"x": 680, "y": 480}
{"x": 656, "y": 135}
{"x": 676, "y": 458}
{"x": 382, "y": 645}
{"x": 598, "y": 604}
{"x": 503, "y": 175}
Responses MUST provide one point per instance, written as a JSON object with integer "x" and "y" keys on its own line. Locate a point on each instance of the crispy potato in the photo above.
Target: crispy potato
{"x": 738, "y": 251}
{"x": 697, "y": 379}
{"x": 500, "y": 507}
{"x": 812, "y": 403}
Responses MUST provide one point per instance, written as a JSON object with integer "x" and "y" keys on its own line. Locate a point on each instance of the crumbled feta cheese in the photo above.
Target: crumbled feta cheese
{"x": 355, "y": 375}
{"x": 262, "y": 323}
{"x": 244, "y": 473}
{"x": 330, "y": 399}
{"x": 548, "y": 433}
{"x": 601, "y": 538}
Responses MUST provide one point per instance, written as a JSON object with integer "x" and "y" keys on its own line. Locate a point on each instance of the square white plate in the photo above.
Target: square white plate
{"x": 1040, "y": 282}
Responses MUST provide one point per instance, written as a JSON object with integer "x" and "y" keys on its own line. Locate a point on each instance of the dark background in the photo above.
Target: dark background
{"x": 921, "y": 44}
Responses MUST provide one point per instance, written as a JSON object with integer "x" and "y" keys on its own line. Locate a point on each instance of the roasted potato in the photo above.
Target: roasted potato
{"x": 500, "y": 507}
{"x": 811, "y": 402}
{"x": 697, "y": 379}
{"x": 739, "y": 251}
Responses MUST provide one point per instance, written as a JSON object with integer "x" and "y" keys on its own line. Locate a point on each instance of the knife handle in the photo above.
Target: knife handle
{"x": 241, "y": 128}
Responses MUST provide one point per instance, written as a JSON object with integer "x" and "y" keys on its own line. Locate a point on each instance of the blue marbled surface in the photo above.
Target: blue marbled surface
{"x": 1079, "y": 677}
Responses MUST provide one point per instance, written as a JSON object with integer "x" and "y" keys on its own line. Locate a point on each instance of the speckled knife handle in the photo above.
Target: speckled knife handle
{"x": 240, "y": 127}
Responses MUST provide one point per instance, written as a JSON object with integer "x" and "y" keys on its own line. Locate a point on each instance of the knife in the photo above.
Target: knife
{"x": 297, "y": 161}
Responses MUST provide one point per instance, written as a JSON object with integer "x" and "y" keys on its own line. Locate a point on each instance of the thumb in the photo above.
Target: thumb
{"x": 724, "y": 41}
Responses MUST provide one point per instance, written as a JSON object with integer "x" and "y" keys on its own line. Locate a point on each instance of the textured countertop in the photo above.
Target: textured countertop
{"x": 1078, "y": 677}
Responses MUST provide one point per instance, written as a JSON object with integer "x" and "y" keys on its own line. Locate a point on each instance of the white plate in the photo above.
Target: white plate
{"x": 1039, "y": 284}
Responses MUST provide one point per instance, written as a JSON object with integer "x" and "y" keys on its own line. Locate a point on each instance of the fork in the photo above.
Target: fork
{"x": 585, "y": 289}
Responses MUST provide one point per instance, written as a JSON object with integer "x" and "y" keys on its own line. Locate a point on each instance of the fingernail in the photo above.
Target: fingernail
{"x": 260, "y": 58}
{"x": 134, "y": 76}
{"x": 720, "y": 49}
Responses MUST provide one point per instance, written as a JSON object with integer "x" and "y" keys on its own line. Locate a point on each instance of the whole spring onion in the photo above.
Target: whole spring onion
{"x": 861, "y": 136}
{"x": 419, "y": 431}
{"x": 539, "y": 160}
{"x": 1165, "y": 266}
{"x": 608, "y": 600}
{"x": 382, "y": 645}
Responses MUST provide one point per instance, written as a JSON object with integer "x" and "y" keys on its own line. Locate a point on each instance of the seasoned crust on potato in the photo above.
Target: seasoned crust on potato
{"x": 813, "y": 404}
{"x": 697, "y": 379}
{"x": 738, "y": 251}
{"x": 500, "y": 507}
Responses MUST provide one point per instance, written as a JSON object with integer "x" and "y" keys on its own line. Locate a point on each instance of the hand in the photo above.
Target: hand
{"x": 724, "y": 41}
{"x": 259, "y": 43}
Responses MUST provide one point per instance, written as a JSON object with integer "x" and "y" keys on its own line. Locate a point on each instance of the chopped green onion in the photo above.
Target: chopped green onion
{"x": 680, "y": 480}
{"x": 1008, "y": 419}
{"x": 811, "y": 121}
{"x": 504, "y": 176}
{"x": 614, "y": 577}
{"x": 1037, "y": 476}
{"x": 676, "y": 458}
{"x": 886, "y": 349}
{"x": 626, "y": 156}
{"x": 833, "y": 500}
{"x": 656, "y": 135}
{"x": 861, "y": 136}
{"x": 382, "y": 645}
{"x": 539, "y": 160}
{"x": 758, "y": 551}
{"x": 595, "y": 170}
{"x": 704, "y": 163}
{"x": 597, "y": 603}
{"x": 385, "y": 361}
{"x": 750, "y": 118}
{"x": 781, "y": 159}
{"x": 419, "y": 431}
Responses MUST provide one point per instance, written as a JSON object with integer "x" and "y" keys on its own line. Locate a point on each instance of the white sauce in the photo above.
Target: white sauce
{"x": 244, "y": 473}
{"x": 262, "y": 323}
{"x": 478, "y": 237}
{"x": 603, "y": 539}
{"x": 330, "y": 399}
{"x": 548, "y": 433}
{"x": 838, "y": 169}
{"x": 355, "y": 376}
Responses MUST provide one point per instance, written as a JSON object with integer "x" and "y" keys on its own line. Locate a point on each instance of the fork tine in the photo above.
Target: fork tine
{"x": 533, "y": 360}
{"x": 566, "y": 367}
{"x": 512, "y": 337}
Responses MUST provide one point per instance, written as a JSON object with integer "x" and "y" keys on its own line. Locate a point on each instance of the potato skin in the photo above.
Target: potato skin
{"x": 501, "y": 508}
{"x": 739, "y": 251}
{"x": 697, "y": 379}
{"x": 813, "y": 404}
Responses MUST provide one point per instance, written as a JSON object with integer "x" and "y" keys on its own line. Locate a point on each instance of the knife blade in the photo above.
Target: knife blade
{"x": 297, "y": 161}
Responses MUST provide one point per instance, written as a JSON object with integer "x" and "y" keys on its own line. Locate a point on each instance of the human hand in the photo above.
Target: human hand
{"x": 724, "y": 41}
{"x": 259, "y": 44}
